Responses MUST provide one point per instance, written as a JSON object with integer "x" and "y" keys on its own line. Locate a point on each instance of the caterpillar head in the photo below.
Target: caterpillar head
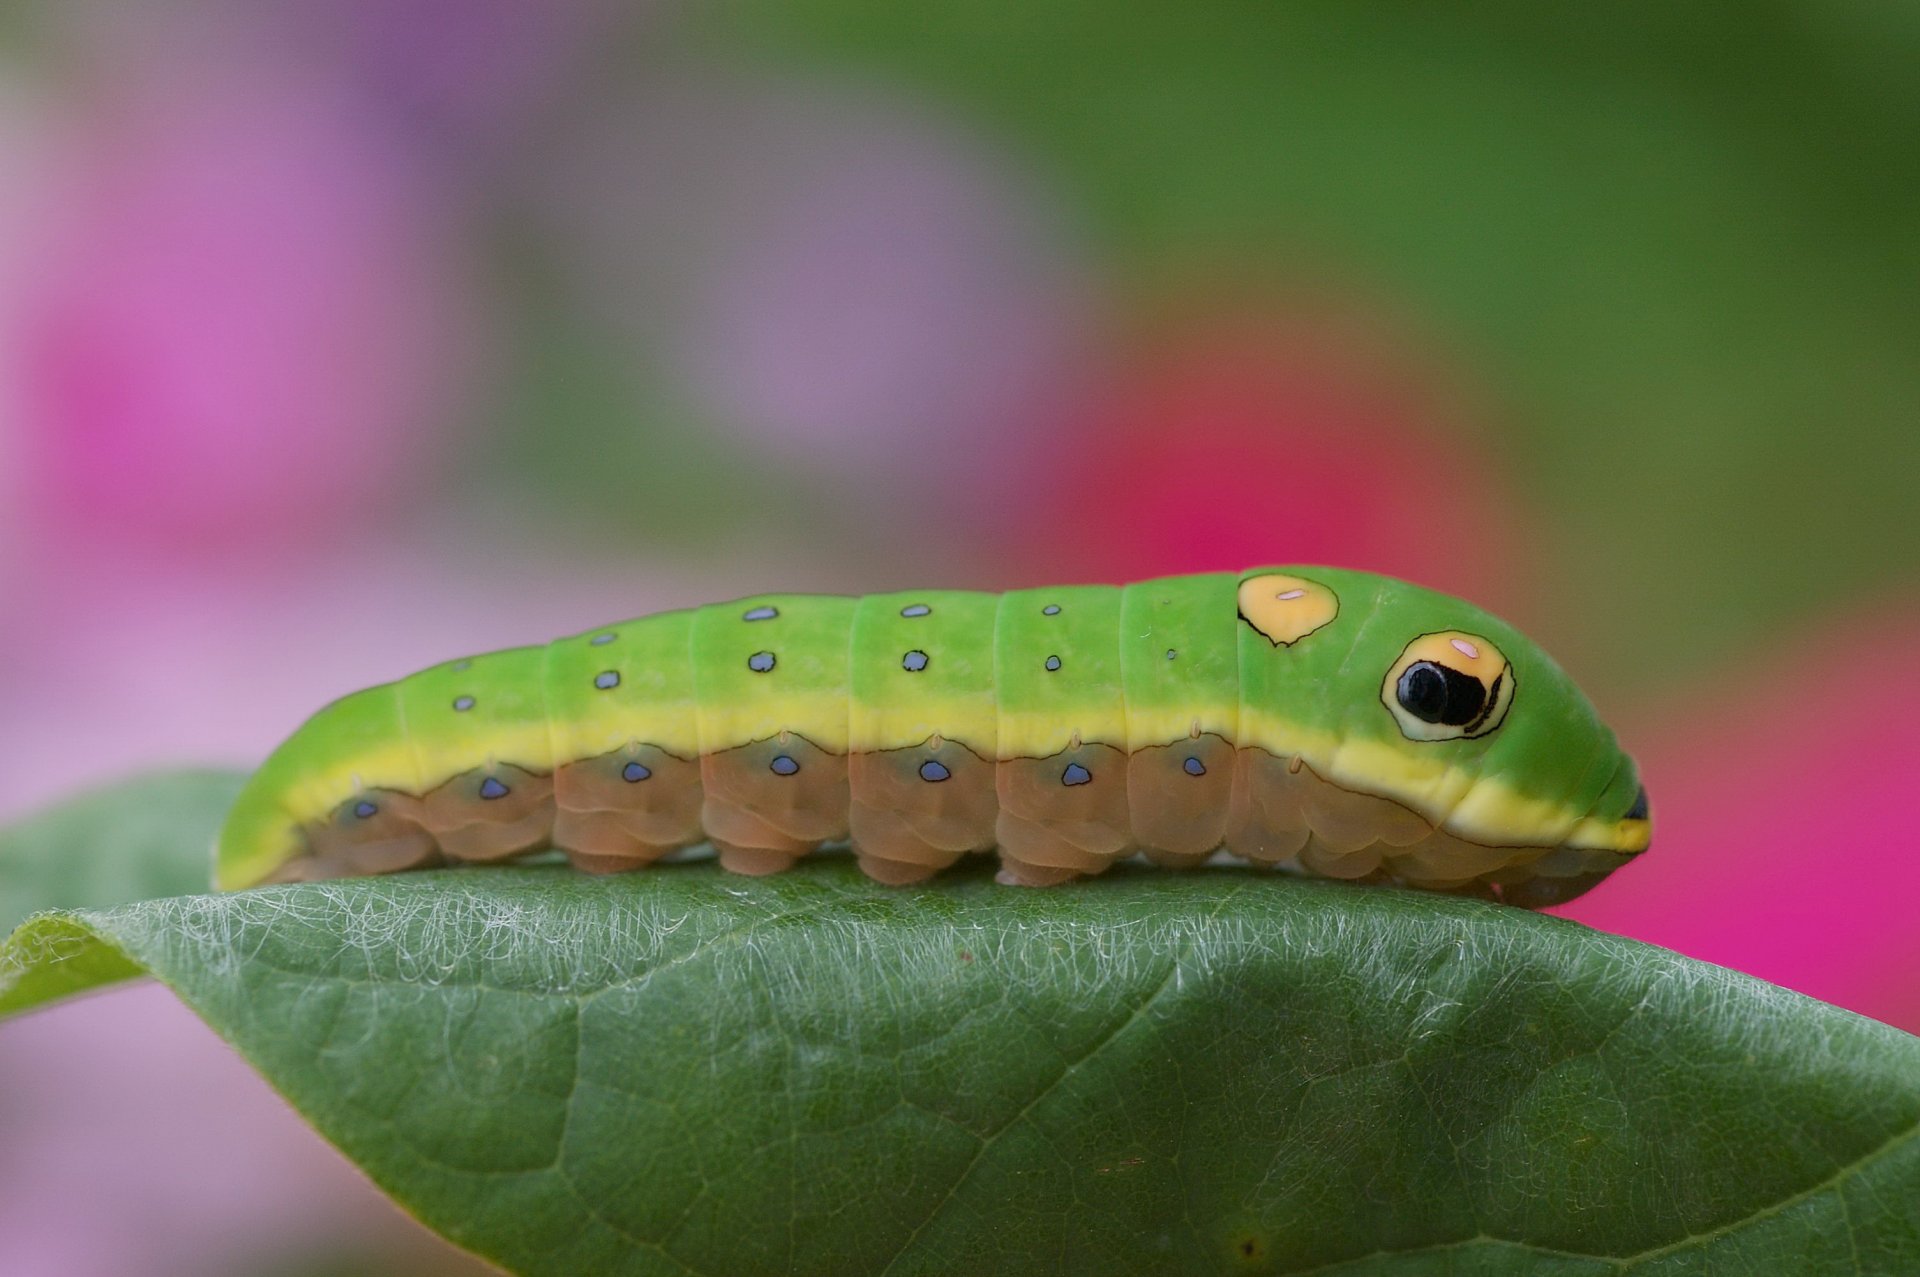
{"x": 1389, "y": 690}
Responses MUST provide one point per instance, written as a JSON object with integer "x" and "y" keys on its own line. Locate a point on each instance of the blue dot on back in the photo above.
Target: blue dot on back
{"x": 364, "y": 809}
{"x": 1075, "y": 775}
{"x": 606, "y": 679}
{"x": 1053, "y": 662}
{"x": 914, "y": 661}
{"x": 760, "y": 662}
{"x": 1194, "y": 767}
{"x": 492, "y": 788}
{"x": 760, "y": 614}
{"x": 783, "y": 766}
{"x": 1051, "y": 609}
{"x": 933, "y": 769}
{"x": 915, "y": 609}
{"x": 634, "y": 772}
{"x": 461, "y": 704}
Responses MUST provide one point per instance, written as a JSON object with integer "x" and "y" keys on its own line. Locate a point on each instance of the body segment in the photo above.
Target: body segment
{"x": 1318, "y": 720}
{"x": 924, "y": 704}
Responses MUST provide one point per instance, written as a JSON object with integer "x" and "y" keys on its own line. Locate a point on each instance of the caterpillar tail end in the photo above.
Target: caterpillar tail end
{"x": 281, "y": 828}
{"x": 257, "y": 842}
{"x": 259, "y": 838}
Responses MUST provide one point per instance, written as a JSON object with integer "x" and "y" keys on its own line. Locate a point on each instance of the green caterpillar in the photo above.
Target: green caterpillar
{"x": 1325, "y": 721}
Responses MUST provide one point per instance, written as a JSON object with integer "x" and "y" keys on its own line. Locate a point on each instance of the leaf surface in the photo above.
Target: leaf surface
{"x": 681, "y": 1071}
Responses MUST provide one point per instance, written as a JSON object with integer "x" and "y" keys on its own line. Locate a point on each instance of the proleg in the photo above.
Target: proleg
{"x": 1317, "y": 720}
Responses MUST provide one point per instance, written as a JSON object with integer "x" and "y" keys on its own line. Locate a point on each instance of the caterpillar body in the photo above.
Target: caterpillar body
{"x": 1320, "y": 720}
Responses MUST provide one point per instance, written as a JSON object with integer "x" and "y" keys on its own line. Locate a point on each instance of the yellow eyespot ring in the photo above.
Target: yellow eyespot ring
{"x": 1448, "y": 686}
{"x": 1286, "y": 608}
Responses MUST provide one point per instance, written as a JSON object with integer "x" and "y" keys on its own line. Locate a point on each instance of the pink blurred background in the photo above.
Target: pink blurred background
{"x": 336, "y": 337}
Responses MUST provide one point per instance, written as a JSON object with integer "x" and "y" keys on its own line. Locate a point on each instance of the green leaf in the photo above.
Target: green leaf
{"x": 150, "y": 835}
{"x": 1222, "y": 1072}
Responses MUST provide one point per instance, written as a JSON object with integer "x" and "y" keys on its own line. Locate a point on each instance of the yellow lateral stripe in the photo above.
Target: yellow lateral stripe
{"x": 317, "y": 792}
{"x": 672, "y": 727}
{"x": 820, "y": 717}
{"x": 1165, "y": 726}
{"x": 1484, "y": 811}
{"x": 1042, "y": 734}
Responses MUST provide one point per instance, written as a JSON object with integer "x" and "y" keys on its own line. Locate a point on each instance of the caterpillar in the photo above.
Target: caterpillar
{"x": 1330, "y": 722}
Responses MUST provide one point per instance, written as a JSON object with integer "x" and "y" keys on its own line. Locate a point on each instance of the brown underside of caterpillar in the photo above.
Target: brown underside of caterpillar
{"x": 910, "y": 813}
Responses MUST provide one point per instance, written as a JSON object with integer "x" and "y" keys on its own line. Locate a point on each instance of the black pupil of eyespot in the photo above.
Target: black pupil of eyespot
{"x": 1433, "y": 693}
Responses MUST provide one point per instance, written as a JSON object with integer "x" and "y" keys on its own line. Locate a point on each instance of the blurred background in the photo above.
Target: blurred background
{"x": 338, "y": 336}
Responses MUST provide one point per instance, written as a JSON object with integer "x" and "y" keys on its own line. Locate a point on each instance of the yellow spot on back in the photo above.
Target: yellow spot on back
{"x": 1286, "y": 608}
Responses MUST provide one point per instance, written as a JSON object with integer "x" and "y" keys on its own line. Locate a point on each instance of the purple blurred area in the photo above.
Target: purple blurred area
{"x": 136, "y": 1142}
{"x": 339, "y": 336}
